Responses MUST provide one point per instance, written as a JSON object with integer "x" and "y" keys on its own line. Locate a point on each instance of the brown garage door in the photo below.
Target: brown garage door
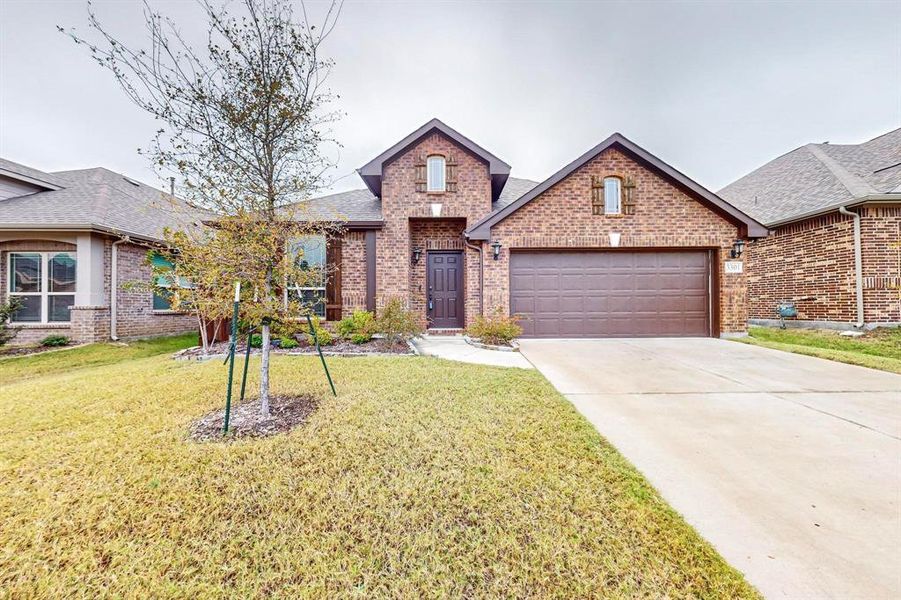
{"x": 611, "y": 293}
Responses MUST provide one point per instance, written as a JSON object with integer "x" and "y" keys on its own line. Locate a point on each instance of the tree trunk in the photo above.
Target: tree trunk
{"x": 201, "y": 322}
{"x": 264, "y": 373}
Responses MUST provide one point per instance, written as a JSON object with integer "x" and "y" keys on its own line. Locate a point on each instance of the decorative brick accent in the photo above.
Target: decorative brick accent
{"x": 663, "y": 216}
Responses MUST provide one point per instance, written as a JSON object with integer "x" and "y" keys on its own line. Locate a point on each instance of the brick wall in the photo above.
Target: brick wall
{"x": 136, "y": 317}
{"x": 664, "y": 216}
{"x": 812, "y": 262}
{"x": 353, "y": 272}
{"x": 401, "y": 202}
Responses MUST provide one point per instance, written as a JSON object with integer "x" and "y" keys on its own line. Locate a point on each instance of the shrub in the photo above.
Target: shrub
{"x": 360, "y": 338}
{"x": 55, "y": 340}
{"x": 323, "y": 334}
{"x": 496, "y": 329}
{"x": 7, "y": 309}
{"x": 396, "y": 323}
{"x": 358, "y": 326}
{"x": 256, "y": 341}
{"x": 288, "y": 343}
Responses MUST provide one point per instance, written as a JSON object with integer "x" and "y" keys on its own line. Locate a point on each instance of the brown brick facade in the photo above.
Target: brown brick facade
{"x": 812, "y": 263}
{"x": 136, "y": 317}
{"x": 353, "y": 272}
{"x": 401, "y": 202}
{"x": 663, "y": 217}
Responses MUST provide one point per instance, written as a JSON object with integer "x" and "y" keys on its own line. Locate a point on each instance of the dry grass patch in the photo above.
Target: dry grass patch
{"x": 424, "y": 478}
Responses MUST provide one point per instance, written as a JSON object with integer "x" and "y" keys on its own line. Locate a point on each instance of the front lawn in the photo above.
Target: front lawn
{"x": 424, "y": 478}
{"x": 877, "y": 349}
{"x": 26, "y": 367}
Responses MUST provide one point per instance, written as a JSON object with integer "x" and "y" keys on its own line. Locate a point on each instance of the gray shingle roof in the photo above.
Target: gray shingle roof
{"x": 14, "y": 169}
{"x": 819, "y": 177}
{"x": 362, "y": 205}
{"x": 103, "y": 200}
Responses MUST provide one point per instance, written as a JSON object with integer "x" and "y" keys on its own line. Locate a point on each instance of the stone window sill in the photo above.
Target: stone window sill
{"x": 42, "y": 325}
{"x": 163, "y": 313}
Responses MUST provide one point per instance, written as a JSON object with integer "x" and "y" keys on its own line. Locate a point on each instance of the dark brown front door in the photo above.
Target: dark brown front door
{"x": 611, "y": 294}
{"x": 445, "y": 283}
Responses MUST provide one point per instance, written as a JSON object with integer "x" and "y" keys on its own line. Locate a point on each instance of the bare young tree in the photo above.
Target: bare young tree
{"x": 244, "y": 119}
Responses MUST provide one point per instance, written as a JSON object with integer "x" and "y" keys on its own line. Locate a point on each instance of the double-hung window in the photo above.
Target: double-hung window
{"x": 436, "y": 166}
{"x": 44, "y": 283}
{"x": 162, "y": 298}
{"x": 309, "y": 252}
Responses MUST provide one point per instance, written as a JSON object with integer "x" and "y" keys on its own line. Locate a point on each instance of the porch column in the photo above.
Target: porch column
{"x": 89, "y": 271}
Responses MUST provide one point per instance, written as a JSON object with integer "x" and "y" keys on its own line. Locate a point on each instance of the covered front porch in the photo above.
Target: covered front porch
{"x": 438, "y": 278}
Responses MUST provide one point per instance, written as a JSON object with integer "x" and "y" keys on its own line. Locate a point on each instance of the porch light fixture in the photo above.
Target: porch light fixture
{"x": 737, "y": 248}
{"x": 496, "y": 247}
{"x": 417, "y": 254}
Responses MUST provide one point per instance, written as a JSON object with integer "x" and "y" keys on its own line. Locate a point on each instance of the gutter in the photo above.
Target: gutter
{"x": 478, "y": 249}
{"x": 114, "y": 287}
{"x": 871, "y": 199}
{"x": 858, "y": 264}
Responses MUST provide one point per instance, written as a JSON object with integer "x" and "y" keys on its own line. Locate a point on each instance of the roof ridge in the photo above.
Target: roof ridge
{"x": 856, "y": 185}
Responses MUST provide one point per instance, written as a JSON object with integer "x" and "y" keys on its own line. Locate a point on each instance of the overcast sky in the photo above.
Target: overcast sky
{"x": 715, "y": 89}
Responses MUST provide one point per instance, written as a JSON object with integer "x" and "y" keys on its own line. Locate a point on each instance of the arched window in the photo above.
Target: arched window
{"x": 435, "y": 170}
{"x": 612, "y": 196}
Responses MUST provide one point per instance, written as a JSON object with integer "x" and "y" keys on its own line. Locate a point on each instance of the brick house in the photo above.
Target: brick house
{"x": 616, "y": 243}
{"x": 68, "y": 239}
{"x": 834, "y": 212}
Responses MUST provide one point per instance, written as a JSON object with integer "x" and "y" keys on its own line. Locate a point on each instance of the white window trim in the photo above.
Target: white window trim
{"x": 619, "y": 196}
{"x": 430, "y": 185}
{"x": 45, "y": 292}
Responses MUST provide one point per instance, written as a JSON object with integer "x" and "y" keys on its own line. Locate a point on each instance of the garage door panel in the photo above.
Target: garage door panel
{"x": 616, "y": 294}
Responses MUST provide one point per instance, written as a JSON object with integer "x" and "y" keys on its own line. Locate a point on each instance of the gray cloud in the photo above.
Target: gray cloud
{"x": 716, "y": 89}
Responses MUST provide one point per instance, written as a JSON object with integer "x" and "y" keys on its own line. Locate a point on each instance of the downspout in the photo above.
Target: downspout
{"x": 858, "y": 263}
{"x": 114, "y": 287}
{"x": 481, "y": 276}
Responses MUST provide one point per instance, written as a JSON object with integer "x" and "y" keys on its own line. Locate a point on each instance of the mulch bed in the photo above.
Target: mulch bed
{"x": 345, "y": 347}
{"x": 26, "y": 350}
{"x": 285, "y": 413}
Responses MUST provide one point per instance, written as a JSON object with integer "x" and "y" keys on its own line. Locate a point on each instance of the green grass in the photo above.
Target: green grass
{"x": 423, "y": 478}
{"x": 878, "y": 349}
{"x": 14, "y": 369}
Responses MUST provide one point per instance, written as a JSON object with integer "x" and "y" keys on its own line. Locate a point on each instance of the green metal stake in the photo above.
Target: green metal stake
{"x": 231, "y": 357}
{"x": 321, "y": 357}
{"x": 246, "y": 361}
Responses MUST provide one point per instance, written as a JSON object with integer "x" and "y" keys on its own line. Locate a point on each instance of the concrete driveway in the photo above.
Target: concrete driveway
{"x": 789, "y": 465}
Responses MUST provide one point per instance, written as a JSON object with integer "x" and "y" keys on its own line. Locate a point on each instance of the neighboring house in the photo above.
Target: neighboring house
{"x": 68, "y": 238}
{"x": 811, "y": 198}
{"x": 616, "y": 243}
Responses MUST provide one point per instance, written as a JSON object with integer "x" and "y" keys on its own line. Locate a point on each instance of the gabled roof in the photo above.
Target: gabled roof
{"x": 482, "y": 229}
{"x": 99, "y": 200}
{"x": 28, "y": 175}
{"x": 817, "y": 178}
{"x": 371, "y": 172}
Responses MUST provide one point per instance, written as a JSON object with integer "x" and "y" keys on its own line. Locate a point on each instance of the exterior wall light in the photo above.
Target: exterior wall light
{"x": 737, "y": 248}
{"x": 417, "y": 254}
{"x": 496, "y": 247}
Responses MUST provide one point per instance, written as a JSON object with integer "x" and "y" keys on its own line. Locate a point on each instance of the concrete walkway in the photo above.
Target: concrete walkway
{"x": 790, "y": 465}
{"x": 454, "y": 347}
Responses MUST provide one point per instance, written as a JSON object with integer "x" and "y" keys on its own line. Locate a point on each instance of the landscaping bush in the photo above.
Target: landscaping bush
{"x": 358, "y": 327}
{"x": 360, "y": 338}
{"x": 288, "y": 343}
{"x": 55, "y": 340}
{"x": 496, "y": 329}
{"x": 323, "y": 334}
{"x": 7, "y": 309}
{"x": 256, "y": 341}
{"x": 396, "y": 323}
